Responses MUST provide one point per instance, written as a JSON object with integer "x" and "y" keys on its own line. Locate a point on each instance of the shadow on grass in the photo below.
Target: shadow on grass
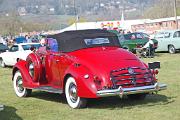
{"x": 49, "y": 96}
{"x": 110, "y": 102}
{"x": 116, "y": 102}
{"x": 9, "y": 113}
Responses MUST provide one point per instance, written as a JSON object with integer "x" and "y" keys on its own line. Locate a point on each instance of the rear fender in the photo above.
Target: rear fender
{"x": 85, "y": 86}
{"x": 27, "y": 79}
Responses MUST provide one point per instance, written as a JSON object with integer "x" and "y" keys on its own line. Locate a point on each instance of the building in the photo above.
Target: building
{"x": 152, "y": 26}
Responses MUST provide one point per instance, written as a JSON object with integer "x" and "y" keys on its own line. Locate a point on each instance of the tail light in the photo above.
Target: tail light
{"x": 97, "y": 81}
{"x": 155, "y": 72}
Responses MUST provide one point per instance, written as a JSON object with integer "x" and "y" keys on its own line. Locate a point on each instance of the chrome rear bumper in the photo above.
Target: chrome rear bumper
{"x": 135, "y": 90}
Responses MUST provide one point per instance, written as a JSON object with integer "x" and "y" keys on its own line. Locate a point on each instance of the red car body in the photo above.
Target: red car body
{"x": 101, "y": 70}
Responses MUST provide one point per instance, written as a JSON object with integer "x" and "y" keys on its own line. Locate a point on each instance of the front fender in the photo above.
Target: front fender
{"x": 85, "y": 86}
{"x": 27, "y": 79}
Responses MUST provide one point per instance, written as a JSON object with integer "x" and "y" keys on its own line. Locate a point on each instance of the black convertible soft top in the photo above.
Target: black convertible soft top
{"x": 74, "y": 40}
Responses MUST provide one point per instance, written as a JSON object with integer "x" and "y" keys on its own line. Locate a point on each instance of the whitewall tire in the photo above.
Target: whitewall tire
{"x": 72, "y": 97}
{"x": 18, "y": 86}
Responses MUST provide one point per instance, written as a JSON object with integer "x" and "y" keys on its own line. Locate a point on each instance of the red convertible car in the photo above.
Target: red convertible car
{"x": 85, "y": 64}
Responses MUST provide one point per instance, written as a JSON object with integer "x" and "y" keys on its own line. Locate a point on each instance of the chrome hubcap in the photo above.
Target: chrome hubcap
{"x": 31, "y": 69}
{"x": 19, "y": 85}
{"x": 73, "y": 92}
{"x": 172, "y": 49}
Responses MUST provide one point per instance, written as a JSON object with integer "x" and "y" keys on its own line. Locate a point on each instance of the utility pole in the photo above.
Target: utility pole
{"x": 75, "y": 12}
{"x": 175, "y": 14}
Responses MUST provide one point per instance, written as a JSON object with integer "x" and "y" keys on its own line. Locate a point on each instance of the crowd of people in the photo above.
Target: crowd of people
{"x": 27, "y": 38}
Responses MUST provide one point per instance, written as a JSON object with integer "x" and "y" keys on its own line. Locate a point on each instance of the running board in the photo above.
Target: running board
{"x": 49, "y": 89}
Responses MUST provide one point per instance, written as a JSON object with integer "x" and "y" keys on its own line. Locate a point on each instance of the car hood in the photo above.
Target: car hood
{"x": 100, "y": 61}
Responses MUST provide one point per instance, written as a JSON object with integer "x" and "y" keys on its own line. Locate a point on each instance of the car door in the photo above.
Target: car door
{"x": 53, "y": 62}
{"x": 161, "y": 41}
{"x": 166, "y": 41}
{"x": 10, "y": 57}
{"x": 175, "y": 41}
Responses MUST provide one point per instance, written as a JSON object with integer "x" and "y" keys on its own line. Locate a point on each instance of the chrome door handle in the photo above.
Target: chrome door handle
{"x": 57, "y": 60}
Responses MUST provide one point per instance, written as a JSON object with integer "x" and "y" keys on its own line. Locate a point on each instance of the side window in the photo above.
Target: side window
{"x": 167, "y": 35}
{"x": 139, "y": 36}
{"x": 127, "y": 36}
{"x": 52, "y": 44}
{"x": 14, "y": 49}
{"x": 176, "y": 34}
{"x": 133, "y": 37}
{"x": 159, "y": 35}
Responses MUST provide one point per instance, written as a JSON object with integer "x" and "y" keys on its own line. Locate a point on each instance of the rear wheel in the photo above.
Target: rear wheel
{"x": 171, "y": 49}
{"x": 2, "y": 64}
{"x": 72, "y": 97}
{"x": 141, "y": 96}
{"x": 18, "y": 86}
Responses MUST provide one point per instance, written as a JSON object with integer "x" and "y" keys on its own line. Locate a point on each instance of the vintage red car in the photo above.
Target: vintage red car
{"x": 85, "y": 64}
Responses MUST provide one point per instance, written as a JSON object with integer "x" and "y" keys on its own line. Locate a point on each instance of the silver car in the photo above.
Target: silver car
{"x": 168, "y": 40}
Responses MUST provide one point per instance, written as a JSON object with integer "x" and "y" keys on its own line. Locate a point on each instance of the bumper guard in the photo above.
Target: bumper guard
{"x": 135, "y": 90}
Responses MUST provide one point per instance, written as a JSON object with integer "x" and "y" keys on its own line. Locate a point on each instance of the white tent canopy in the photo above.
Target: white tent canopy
{"x": 126, "y": 25}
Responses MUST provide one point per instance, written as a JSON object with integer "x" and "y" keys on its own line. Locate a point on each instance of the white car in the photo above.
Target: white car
{"x": 17, "y": 52}
{"x": 168, "y": 40}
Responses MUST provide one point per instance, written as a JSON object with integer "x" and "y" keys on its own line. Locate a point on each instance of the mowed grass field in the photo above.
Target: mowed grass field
{"x": 47, "y": 106}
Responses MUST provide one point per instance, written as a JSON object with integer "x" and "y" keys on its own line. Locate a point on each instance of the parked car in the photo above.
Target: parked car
{"x": 20, "y": 39}
{"x": 131, "y": 41}
{"x": 15, "y": 53}
{"x": 169, "y": 40}
{"x": 3, "y": 48}
{"x": 85, "y": 64}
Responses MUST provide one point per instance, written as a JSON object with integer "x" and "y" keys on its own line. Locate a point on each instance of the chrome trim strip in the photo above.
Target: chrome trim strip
{"x": 135, "y": 90}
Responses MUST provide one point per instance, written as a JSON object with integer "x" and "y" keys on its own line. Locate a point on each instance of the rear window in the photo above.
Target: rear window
{"x": 96, "y": 41}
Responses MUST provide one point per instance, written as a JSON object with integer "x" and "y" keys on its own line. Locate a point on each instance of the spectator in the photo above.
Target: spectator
{"x": 43, "y": 42}
{"x": 28, "y": 39}
{"x": 149, "y": 48}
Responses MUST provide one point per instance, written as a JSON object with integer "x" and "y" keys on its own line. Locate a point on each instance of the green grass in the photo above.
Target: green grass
{"x": 46, "y": 106}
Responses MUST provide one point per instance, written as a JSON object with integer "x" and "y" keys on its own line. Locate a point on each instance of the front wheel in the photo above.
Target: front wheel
{"x": 18, "y": 86}
{"x": 171, "y": 49}
{"x": 72, "y": 97}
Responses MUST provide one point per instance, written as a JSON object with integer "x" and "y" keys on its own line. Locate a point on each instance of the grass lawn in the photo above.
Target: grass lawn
{"x": 47, "y": 106}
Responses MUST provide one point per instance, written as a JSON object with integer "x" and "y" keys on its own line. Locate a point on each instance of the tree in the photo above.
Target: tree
{"x": 163, "y": 9}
